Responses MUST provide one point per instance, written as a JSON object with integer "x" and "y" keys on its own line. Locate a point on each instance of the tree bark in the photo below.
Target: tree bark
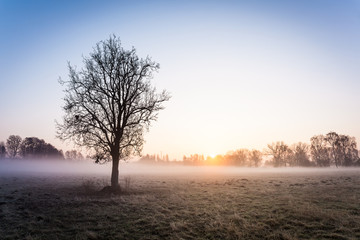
{"x": 115, "y": 172}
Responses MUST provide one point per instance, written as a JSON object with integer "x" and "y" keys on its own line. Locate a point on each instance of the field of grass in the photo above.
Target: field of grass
{"x": 306, "y": 204}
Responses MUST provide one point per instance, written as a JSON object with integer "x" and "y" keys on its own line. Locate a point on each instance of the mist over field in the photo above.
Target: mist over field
{"x": 88, "y": 167}
{"x": 57, "y": 199}
{"x": 239, "y": 119}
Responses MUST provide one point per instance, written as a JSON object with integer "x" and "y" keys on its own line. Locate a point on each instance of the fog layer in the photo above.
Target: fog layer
{"x": 15, "y": 167}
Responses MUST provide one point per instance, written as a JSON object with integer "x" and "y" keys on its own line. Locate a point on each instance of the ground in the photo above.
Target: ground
{"x": 262, "y": 204}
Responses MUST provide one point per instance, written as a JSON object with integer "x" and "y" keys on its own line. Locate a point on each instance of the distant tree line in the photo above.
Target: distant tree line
{"x": 33, "y": 148}
{"x": 240, "y": 157}
{"x": 28, "y": 148}
{"x": 333, "y": 148}
{"x": 327, "y": 150}
{"x": 155, "y": 159}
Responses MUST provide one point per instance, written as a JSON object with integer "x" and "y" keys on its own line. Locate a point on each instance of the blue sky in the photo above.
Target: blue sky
{"x": 241, "y": 73}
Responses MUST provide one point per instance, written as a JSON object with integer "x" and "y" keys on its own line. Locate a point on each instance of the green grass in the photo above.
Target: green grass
{"x": 302, "y": 205}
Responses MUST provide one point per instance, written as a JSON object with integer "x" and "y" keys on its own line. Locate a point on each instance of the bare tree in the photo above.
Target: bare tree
{"x": 342, "y": 149}
{"x": 110, "y": 103}
{"x": 255, "y": 157}
{"x": 241, "y": 157}
{"x": 229, "y": 158}
{"x": 300, "y": 155}
{"x": 319, "y": 151}
{"x": 73, "y": 155}
{"x": 237, "y": 158}
{"x": 332, "y": 138}
{"x": 13, "y": 145}
{"x": 280, "y": 153}
{"x": 351, "y": 154}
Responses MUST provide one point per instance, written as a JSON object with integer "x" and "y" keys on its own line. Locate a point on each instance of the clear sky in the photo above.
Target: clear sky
{"x": 242, "y": 74}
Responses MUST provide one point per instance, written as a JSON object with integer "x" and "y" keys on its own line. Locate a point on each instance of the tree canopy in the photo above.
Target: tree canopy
{"x": 13, "y": 145}
{"x": 35, "y": 148}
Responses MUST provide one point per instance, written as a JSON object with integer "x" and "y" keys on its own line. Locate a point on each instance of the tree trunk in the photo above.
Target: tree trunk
{"x": 115, "y": 172}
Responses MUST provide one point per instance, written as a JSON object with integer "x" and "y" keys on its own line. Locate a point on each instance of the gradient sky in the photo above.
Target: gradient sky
{"x": 242, "y": 74}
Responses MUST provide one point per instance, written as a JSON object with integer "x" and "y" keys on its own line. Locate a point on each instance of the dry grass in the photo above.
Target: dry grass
{"x": 303, "y": 205}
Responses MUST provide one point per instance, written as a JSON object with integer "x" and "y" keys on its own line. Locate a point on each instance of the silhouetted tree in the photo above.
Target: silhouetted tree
{"x": 35, "y": 148}
{"x": 351, "y": 154}
{"x": 13, "y": 145}
{"x": 334, "y": 148}
{"x": 2, "y": 150}
{"x": 300, "y": 155}
{"x": 255, "y": 158}
{"x": 241, "y": 157}
{"x": 194, "y": 159}
{"x": 110, "y": 102}
{"x": 332, "y": 139}
{"x": 319, "y": 151}
{"x": 342, "y": 148}
{"x": 280, "y": 153}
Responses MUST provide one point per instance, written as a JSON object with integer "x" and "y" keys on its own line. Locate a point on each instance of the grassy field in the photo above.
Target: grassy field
{"x": 314, "y": 204}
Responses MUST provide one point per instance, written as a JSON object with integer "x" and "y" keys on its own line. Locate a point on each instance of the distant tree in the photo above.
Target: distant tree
{"x": 13, "y": 145}
{"x": 348, "y": 148}
{"x": 35, "y": 148}
{"x": 241, "y": 157}
{"x": 255, "y": 158}
{"x": 73, "y": 155}
{"x": 110, "y": 103}
{"x": 2, "y": 150}
{"x": 332, "y": 139}
{"x": 300, "y": 155}
{"x": 319, "y": 151}
{"x": 343, "y": 149}
{"x": 194, "y": 159}
{"x": 280, "y": 153}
